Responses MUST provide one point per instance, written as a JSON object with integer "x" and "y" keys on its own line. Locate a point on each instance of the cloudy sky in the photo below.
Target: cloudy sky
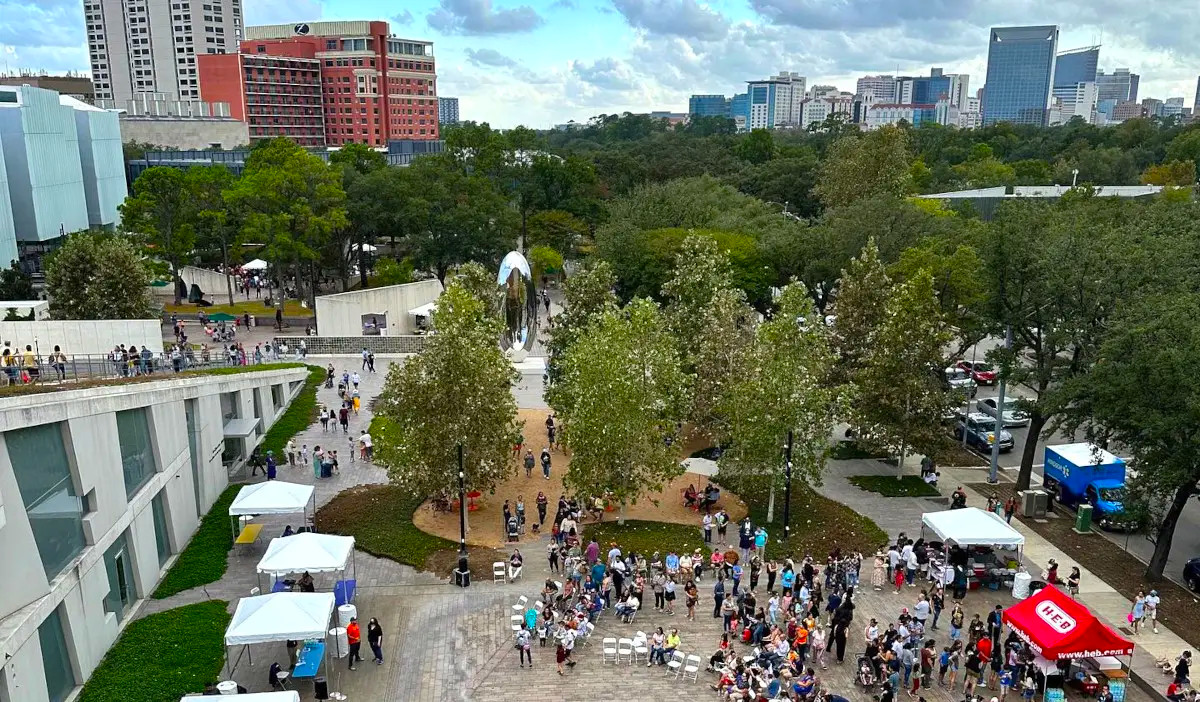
{"x": 540, "y": 62}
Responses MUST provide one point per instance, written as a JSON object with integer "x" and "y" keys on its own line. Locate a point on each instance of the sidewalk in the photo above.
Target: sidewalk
{"x": 1109, "y": 605}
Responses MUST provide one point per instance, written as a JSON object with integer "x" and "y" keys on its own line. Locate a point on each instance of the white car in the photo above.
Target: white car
{"x": 960, "y": 381}
{"x": 1013, "y": 417}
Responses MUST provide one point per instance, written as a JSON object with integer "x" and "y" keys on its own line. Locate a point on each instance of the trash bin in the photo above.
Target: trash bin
{"x": 462, "y": 578}
{"x": 320, "y": 688}
{"x": 1020, "y": 587}
{"x": 253, "y": 322}
{"x": 1083, "y": 519}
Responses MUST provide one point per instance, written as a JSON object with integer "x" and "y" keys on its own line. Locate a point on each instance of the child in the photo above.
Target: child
{"x": 1006, "y": 681}
{"x": 543, "y": 631}
{"x": 944, "y": 665}
{"x": 304, "y": 454}
{"x": 352, "y": 441}
{"x": 707, "y": 521}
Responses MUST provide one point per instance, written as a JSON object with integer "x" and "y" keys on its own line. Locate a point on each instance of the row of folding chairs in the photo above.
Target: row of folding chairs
{"x": 502, "y": 573}
{"x": 630, "y": 651}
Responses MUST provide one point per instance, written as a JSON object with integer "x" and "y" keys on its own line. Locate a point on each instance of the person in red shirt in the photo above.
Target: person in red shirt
{"x": 354, "y": 637}
{"x": 1175, "y": 691}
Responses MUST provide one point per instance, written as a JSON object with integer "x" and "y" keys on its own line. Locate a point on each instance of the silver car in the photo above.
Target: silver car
{"x": 1013, "y": 417}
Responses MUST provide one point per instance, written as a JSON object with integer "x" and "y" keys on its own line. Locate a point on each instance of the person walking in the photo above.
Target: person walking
{"x": 718, "y": 596}
{"x": 1152, "y": 601}
{"x": 529, "y": 462}
{"x": 542, "y": 501}
{"x": 546, "y": 462}
{"x": 324, "y": 416}
{"x": 375, "y": 640}
{"x": 271, "y": 467}
{"x": 524, "y": 646}
{"x": 354, "y": 638}
{"x": 1138, "y": 613}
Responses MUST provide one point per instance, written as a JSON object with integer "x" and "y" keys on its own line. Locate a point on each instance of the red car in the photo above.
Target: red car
{"x": 982, "y": 373}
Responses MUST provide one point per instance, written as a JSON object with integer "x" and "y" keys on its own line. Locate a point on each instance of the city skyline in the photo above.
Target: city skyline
{"x": 542, "y": 62}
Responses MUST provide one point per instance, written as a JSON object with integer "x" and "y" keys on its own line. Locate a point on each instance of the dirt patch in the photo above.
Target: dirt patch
{"x": 1123, "y": 572}
{"x": 480, "y": 560}
{"x": 485, "y": 522}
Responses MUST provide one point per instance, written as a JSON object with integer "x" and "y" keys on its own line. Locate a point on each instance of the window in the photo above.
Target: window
{"x": 120, "y": 579}
{"x": 39, "y": 460}
{"x": 137, "y": 455}
{"x": 56, "y": 660}
{"x": 161, "y": 538}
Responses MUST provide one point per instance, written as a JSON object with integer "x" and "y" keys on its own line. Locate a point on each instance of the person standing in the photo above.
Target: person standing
{"x": 355, "y": 379}
{"x": 529, "y": 462}
{"x": 546, "y": 462}
{"x": 364, "y": 358}
{"x": 1073, "y": 582}
{"x": 541, "y": 497}
{"x": 291, "y": 453}
{"x": 375, "y": 639}
{"x": 271, "y": 467}
{"x": 317, "y": 455}
{"x": 707, "y": 522}
{"x": 368, "y": 449}
{"x": 344, "y": 419}
{"x": 524, "y": 646}
{"x": 718, "y": 596}
{"x": 354, "y": 638}
{"x": 1152, "y": 601}
{"x": 1138, "y": 613}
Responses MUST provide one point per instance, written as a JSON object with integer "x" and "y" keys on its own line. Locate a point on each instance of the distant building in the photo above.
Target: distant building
{"x": 63, "y": 165}
{"x": 987, "y": 200}
{"x": 708, "y": 106}
{"x": 1076, "y": 66}
{"x": 880, "y": 114}
{"x": 249, "y": 84}
{"x": 1120, "y": 85}
{"x": 882, "y": 88}
{"x": 1080, "y": 102}
{"x": 400, "y": 152}
{"x": 78, "y": 87}
{"x": 1173, "y": 107}
{"x": 777, "y": 101}
{"x": 932, "y": 88}
{"x": 1020, "y": 74}
{"x": 181, "y": 124}
{"x": 739, "y": 110}
{"x": 1196, "y": 100}
{"x": 970, "y": 116}
{"x": 817, "y": 110}
{"x": 447, "y": 110}
{"x": 1126, "y": 109}
{"x": 1152, "y": 107}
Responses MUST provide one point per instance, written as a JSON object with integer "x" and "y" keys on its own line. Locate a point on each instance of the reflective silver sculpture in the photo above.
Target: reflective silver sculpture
{"x": 518, "y": 306}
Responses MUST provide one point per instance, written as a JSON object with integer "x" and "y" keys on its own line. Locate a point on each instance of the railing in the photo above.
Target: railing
{"x": 80, "y": 368}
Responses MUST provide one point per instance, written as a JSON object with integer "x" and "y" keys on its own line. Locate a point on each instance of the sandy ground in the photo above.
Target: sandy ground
{"x": 485, "y": 526}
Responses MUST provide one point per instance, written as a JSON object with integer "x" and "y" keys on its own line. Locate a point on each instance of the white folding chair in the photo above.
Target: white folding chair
{"x": 499, "y": 572}
{"x": 632, "y": 616}
{"x": 691, "y": 667}
{"x": 608, "y": 649}
{"x": 538, "y": 606}
{"x": 519, "y": 607}
{"x": 515, "y": 622}
{"x": 514, "y": 572}
{"x": 625, "y": 650}
{"x": 675, "y": 664}
{"x": 641, "y": 651}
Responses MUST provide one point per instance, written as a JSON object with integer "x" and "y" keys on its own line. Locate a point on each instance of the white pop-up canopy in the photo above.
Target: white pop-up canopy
{"x": 972, "y": 526}
{"x": 314, "y": 553}
{"x": 280, "y": 616}
{"x": 285, "y": 696}
{"x": 424, "y": 310}
{"x": 271, "y": 497}
{"x": 256, "y": 265}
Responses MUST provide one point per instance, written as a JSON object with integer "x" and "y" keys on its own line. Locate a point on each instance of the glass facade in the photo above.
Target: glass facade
{"x": 43, "y": 471}
{"x": 1020, "y": 74}
{"x": 56, "y": 661}
{"x": 120, "y": 595}
{"x": 708, "y": 106}
{"x": 162, "y": 539}
{"x": 137, "y": 454}
{"x": 1077, "y": 66}
{"x": 193, "y": 431}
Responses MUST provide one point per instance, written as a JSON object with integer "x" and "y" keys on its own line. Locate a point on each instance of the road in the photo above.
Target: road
{"x": 1186, "y": 542}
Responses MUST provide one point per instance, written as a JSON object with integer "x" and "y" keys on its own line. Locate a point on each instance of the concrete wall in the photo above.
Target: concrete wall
{"x": 8, "y": 230}
{"x": 353, "y": 345}
{"x": 78, "y": 337}
{"x": 211, "y": 283}
{"x": 102, "y": 161}
{"x": 185, "y": 134}
{"x": 26, "y": 597}
{"x": 341, "y": 314}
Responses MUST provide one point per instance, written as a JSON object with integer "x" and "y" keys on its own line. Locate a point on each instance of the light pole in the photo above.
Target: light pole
{"x": 1074, "y": 176}
{"x": 994, "y": 470}
{"x": 463, "y": 565}
{"x": 974, "y": 351}
{"x": 787, "y": 488}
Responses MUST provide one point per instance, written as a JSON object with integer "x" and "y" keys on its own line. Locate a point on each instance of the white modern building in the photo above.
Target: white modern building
{"x": 970, "y": 117}
{"x": 63, "y": 165}
{"x": 150, "y": 46}
{"x": 100, "y": 488}
{"x": 880, "y": 88}
{"x": 776, "y": 102}
{"x": 1079, "y": 101}
{"x": 817, "y": 110}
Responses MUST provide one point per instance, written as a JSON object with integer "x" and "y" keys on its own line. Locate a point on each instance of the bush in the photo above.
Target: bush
{"x": 379, "y": 517}
{"x": 203, "y": 560}
{"x": 889, "y": 486}
{"x": 646, "y": 537}
{"x": 163, "y": 656}
{"x": 299, "y": 414}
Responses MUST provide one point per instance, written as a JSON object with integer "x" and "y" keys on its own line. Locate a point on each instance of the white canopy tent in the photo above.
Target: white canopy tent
{"x": 424, "y": 310}
{"x": 972, "y": 526}
{"x": 285, "y": 696}
{"x": 256, "y": 265}
{"x": 307, "y": 552}
{"x": 279, "y": 616}
{"x": 271, "y": 497}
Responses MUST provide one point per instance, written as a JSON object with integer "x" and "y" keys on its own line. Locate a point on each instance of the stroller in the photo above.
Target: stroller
{"x": 866, "y": 673}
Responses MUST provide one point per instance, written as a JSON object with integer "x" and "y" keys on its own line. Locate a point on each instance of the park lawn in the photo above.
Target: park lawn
{"x": 40, "y": 388}
{"x": 889, "y": 486}
{"x": 849, "y": 450}
{"x": 291, "y": 308}
{"x": 379, "y": 517}
{"x": 203, "y": 560}
{"x": 818, "y": 524}
{"x": 163, "y": 656}
{"x": 644, "y": 537}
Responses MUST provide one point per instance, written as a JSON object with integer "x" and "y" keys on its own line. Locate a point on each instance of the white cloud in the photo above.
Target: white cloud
{"x": 479, "y": 17}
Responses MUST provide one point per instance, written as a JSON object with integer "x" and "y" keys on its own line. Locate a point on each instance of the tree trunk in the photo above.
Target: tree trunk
{"x": 225, "y": 266}
{"x": 1037, "y": 422}
{"x": 524, "y": 233}
{"x": 900, "y": 463}
{"x": 771, "y": 504}
{"x": 362, "y": 264}
{"x": 1166, "y": 531}
{"x": 621, "y": 514}
{"x": 312, "y": 290}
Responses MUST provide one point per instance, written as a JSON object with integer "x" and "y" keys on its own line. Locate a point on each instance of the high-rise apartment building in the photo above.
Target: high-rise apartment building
{"x": 777, "y": 101}
{"x": 1020, "y": 74}
{"x": 150, "y": 46}
{"x": 708, "y": 106}
{"x": 374, "y": 88}
{"x": 448, "y": 110}
{"x": 1120, "y": 85}
{"x": 817, "y": 110}
{"x": 933, "y": 88}
{"x": 1080, "y": 102}
{"x": 275, "y": 95}
{"x": 1076, "y": 66}
{"x": 882, "y": 88}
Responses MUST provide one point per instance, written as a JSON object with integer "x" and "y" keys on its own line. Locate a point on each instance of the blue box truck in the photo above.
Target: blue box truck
{"x": 1083, "y": 473}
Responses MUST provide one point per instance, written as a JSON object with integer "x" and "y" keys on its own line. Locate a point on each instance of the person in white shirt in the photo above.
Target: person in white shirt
{"x": 1151, "y": 603}
{"x": 355, "y": 379}
{"x": 367, "y": 451}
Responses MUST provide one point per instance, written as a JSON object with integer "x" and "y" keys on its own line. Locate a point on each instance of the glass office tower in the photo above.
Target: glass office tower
{"x": 1020, "y": 74}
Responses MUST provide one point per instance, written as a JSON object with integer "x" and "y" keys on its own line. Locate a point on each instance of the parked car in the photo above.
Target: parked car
{"x": 960, "y": 380}
{"x": 1191, "y": 574}
{"x": 1013, "y": 417}
{"x": 981, "y": 372}
{"x": 981, "y": 432}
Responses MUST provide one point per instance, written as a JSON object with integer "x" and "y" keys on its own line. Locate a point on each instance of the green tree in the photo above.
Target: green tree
{"x": 349, "y": 244}
{"x": 559, "y": 230}
{"x": 214, "y": 223}
{"x": 788, "y": 181}
{"x": 862, "y": 299}
{"x": 783, "y": 385}
{"x": 93, "y": 276}
{"x": 1181, "y": 174}
{"x": 864, "y": 166}
{"x": 620, "y": 396}
{"x": 897, "y": 397}
{"x": 161, "y": 211}
{"x": 456, "y": 392}
{"x": 757, "y": 147}
{"x": 1143, "y": 394}
{"x": 358, "y": 157}
{"x": 1185, "y": 147}
{"x": 587, "y": 295}
{"x": 544, "y": 260}
{"x": 390, "y": 272}
{"x": 15, "y": 284}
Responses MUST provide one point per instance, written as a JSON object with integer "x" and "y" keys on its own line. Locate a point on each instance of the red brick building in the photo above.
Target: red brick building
{"x": 372, "y": 87}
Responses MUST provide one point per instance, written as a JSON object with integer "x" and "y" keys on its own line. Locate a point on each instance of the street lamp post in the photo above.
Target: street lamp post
{"x": 787, "y": 489}
{"x": 994, "y": 470}
{"x": 1074, "y": 176}
{"x": 463, "y": 565}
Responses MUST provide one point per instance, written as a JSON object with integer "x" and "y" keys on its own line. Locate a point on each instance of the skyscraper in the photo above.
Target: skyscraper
{"x": 777, "y": 101}
{"x": 1076, "y": 66}
{"x": 1120, "y": 85}
{"x": 140, "y": 47}
{"x": 1196, "y": 100}
{"x": 1020, "y": 74}
{"x": 447, "y": 110}
{"x": 882, "y": 88}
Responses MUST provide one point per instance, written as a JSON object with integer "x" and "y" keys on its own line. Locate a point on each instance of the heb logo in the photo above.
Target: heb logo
{"x": 1055, "y": 617}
